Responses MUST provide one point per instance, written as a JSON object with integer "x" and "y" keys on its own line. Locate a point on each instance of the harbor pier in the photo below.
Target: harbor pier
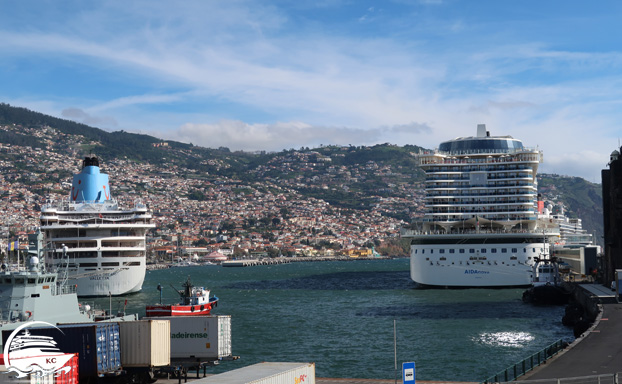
{"x": 597, "y": 352}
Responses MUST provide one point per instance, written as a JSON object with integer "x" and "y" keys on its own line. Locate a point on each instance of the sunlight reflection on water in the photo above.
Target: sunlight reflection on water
{"x": 506, "y": 339}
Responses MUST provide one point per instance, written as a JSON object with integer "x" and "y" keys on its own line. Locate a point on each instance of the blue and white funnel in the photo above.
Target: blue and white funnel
{"x": 90, "y": 185}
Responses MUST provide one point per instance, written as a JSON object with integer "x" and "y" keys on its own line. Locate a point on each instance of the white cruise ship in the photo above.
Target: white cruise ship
{"x": 103, "y": 246}
{"x": 480, "y": 227}
{"x": 571, "y": 230}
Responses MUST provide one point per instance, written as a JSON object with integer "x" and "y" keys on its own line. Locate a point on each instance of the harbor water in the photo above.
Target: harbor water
{"x": 341, "y": 315}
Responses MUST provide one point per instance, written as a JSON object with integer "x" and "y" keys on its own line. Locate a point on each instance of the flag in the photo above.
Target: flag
{"x": 13, "y": 245}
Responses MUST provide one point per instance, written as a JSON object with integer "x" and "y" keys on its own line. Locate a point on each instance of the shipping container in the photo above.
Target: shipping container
{"x": 200, "y": 337}
{"x": 145, "y": 343}
{"x": 267, "y": 373}
{"x": 97, "y": 345}
{"x": 68, "y": 374}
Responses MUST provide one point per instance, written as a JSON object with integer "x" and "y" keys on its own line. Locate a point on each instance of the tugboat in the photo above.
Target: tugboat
{"x": 548, "y": 288}
{"x": 194, "y": 301}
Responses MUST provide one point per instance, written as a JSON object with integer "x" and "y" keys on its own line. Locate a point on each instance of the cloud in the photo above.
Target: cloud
{"x": 78, "y": 115}
{"x": 238, "y": 135}
{"x": 270, "y": 76}
{"x": 586, "y": 164}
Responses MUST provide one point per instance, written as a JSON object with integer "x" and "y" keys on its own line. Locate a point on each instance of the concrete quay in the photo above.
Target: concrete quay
{"x": 598, "y": 351}
{"x": 320, "y": 380}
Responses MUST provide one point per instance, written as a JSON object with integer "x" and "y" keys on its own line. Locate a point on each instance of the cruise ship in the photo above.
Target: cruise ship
{"x": 99, "y": 247}
{"x": 571, "y": 230}
{"x": 480, "y": 227}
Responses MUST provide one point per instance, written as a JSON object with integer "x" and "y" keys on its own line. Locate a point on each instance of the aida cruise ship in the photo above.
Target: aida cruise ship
{"x": 91, "y": 241}
{"x": 480, "y": 227}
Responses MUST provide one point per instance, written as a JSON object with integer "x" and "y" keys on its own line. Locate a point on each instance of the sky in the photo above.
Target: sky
{"x": 274, "y": 75}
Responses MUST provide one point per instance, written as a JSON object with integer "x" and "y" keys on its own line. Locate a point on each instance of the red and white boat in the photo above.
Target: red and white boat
{"x": 194, "y": 301}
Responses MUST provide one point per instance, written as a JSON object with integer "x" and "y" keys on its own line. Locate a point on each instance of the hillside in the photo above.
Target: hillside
{"x": 326, "y": 196}
{"x": 580, "y": 198}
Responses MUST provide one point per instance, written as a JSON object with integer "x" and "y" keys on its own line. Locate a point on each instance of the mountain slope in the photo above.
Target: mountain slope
{"x": 383, "y": 178}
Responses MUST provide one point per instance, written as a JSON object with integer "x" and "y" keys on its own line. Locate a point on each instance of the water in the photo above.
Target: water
{"x": 340, "y": 316}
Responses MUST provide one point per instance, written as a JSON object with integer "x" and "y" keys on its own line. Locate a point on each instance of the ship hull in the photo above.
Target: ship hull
{"x": 116, "y": 282}
{"x": 475, "y": 261}
{"x": 178, "y": 310}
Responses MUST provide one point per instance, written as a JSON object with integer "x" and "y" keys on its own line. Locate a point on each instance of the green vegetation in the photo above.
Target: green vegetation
{"x": 583, "y": 200}
{"x": 354, "y": 178}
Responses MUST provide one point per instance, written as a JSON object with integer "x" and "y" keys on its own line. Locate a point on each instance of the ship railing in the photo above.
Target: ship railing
{"x": 527, "y": 151}
{"x": 139, "y": 204}
{"x": 476, "y": 195}
{"x": 111, "y": 204}
{"x": 67, "y": 204}
{"x": 115, "y": 218}
{"x": 65, "y": 289}
{"x": 462, "y": 211}
{"x": 453, "y": 185}
{"x": 517, "y": 370}
{"x": 404, "y": 232}
{"x": 495, "y": 216}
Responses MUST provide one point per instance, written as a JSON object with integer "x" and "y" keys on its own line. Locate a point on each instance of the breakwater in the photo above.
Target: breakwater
{"x": 287, "y": 260}
{"x": 273, "y": 261}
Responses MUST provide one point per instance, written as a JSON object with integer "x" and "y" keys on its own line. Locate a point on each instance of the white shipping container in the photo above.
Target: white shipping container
{"x": 200, "y": 337}
{"x": 145, "y": 343}
{"x": 267, "y": 373}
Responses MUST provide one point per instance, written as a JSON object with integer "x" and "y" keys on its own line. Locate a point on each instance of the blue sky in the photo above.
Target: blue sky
{"x": 273, "y": 75}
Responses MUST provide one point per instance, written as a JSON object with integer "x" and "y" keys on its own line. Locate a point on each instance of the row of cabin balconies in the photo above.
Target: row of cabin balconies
{"x": 458, "y": 218}
{"x": 104, "y": 243}
{"x": 467, "y": 193}
{"x": 91, "y": 254}
{"x": 491, "y": 184}
{"x": 479, "y": 202}
{"x": 477, "y": 168}
{"x": 483, "y": 183}
{"x": 527, "y": 172}
{"x": 440, "y": 211}
{"x": 83, "y": 233}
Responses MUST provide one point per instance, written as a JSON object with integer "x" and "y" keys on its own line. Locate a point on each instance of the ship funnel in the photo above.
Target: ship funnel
{"x": 481, "y": 130}
{"x": 90, "y": 185}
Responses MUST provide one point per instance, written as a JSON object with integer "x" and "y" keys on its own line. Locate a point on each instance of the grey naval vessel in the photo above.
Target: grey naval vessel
{"x": 35, "y": 294}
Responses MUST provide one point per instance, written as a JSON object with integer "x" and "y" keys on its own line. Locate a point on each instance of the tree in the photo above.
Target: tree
{"x": 273, "y": 252}
{"x": 200, "y": 243}
{"x": 238, "y": 252}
